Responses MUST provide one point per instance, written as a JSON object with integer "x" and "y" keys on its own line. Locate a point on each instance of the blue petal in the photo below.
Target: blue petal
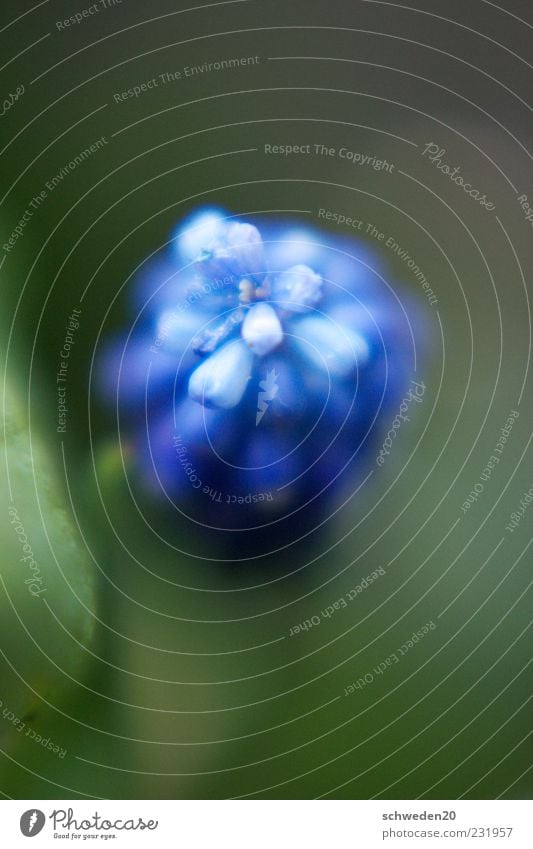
{"x": 175, "y": 330}
{"x": 236, "y": 250}
{"x": 298, "y": 288}
{"x": 330, "y": 346}
{"x": 200, "y": 233}
{"x": 217, "y": 331}
{"x": 292, "y": 247}
{"x": 220, "y": 380}
{"x": 269, "y": 464}
{"x": 261, "y": 329}
{"x": 127, "y": 372}
{"x": 245, "y": 248}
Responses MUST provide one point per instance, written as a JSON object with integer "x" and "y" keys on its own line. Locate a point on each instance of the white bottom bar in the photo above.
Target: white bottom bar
{"x": 264, "y": 824}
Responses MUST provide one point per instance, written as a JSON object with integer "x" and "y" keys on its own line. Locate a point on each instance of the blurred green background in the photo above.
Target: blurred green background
{"x": 172, "y": 675}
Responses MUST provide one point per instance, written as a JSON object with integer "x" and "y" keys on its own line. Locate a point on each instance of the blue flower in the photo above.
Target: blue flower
{"x": 258, "y": 371}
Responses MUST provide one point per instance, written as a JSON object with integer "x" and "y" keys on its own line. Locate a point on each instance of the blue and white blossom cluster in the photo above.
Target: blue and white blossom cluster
{"x": 257, "y": 373}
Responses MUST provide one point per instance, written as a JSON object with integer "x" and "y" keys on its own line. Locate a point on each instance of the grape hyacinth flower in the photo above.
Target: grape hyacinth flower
{"x": 262, "y": 363}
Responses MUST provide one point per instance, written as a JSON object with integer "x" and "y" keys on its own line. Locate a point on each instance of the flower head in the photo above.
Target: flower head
{"x": 258, "y": 370}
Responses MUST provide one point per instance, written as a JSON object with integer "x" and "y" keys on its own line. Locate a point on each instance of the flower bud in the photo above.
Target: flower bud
{"x": 330, "y": 347}
{"x": 298, "y": 288}
{"x": 262, "y": 329}
{"x": 221, "y": 379}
